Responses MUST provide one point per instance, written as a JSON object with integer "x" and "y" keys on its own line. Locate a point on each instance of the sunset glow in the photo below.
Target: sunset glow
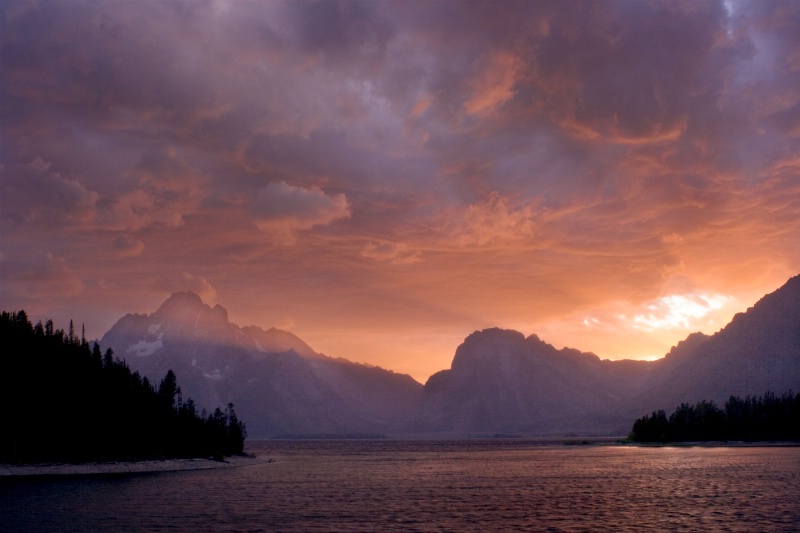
{"x": 384, "y": 178}
{"x": 677, "y": 310}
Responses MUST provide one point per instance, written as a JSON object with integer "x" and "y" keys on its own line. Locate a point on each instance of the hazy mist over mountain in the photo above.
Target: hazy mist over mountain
{"x": 500, "y": 382}
{"x": 277, "y": 382}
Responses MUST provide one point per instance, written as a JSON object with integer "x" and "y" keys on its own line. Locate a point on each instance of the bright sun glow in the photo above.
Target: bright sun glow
{"x": 678, "y": 311}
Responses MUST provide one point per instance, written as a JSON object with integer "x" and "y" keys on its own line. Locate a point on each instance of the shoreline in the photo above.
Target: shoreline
{"x": 717, "y": 444}
{"x": 126, "y": 467}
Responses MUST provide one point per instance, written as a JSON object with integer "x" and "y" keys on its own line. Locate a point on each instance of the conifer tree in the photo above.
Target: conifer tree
{"x": 56, "y": 385}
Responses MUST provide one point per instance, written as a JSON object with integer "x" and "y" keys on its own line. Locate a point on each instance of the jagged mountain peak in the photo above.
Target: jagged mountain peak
{"x": 494, "y": 333}
{"x": 187, "y": 305}
{"x": 500, "y": 381}
{"x": 503, "y": 350}
{"x": 497, "y": 344}
{"x": 685, "y": 347}
{"x": 182, "y": 303}
{"x": 490, "y": 337}
{"x": 782, "y": 302}
{"x": 278, "y": 383}
{"x": 488, "y": 347}
{"x": 220, "y": 312}
{"x": 185, "y": 317}
{"x": 534, "y": 339}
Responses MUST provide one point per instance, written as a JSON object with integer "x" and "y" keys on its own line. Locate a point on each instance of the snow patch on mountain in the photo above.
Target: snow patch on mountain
{"x": 215, "y": 375}
{"x": 144, "y": 348}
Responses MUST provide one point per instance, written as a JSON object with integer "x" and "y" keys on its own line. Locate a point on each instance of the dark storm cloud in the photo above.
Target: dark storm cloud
{"x": 339, "y": 30}
{"x": 284, "y": 209}
{"x": 35, "y": 195}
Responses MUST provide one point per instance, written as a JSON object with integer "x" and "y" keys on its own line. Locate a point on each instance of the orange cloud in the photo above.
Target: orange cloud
{"x": 493, "y": 85}
{"x": 391, "y": 252}
{"x": 490, "y": 221}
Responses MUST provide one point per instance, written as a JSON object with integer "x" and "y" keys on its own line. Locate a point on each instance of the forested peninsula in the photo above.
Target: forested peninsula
{"x": 65, "y": 400}
{"x": 765, "y": 418}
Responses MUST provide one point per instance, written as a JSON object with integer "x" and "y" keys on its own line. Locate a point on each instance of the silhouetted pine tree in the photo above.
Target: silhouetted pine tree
{"x": 766, "y": 418}
{"x": 64, "y": 402}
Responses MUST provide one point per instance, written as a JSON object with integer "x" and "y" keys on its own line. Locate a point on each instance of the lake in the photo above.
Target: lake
{"x": 490, "y": 485}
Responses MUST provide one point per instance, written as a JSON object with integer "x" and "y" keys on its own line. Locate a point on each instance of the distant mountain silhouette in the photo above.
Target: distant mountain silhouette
{"x": 502, "y": 383}
{"x": 499, "y": 382}
{"x": 278, "y": 383}
{"x": 758, "y": 350}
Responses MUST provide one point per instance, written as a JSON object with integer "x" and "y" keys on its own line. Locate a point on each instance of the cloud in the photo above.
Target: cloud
{"x": 187, "y": 282}
{"x": 494, "y": 84}
{"x": 672, "y": 238}
{"x": 492, "y": 221}
{"x": 33, "y": 193}
{"x": 420, "y": 106}
{"x": 678, "y": 311}
{"x": 167, "y": 188}
{"x": 286, "y": 324}
{"x": 39, "y": 276}
{"x": 282, "y": 210}
{"x": 527, "y": 159}
{"x": 396, "y": 253}
{"x": 127, "y": 247}
{"x": 631, "y": 74}
{"x": 141, "y": 208}
{"x": 339, "y": 30}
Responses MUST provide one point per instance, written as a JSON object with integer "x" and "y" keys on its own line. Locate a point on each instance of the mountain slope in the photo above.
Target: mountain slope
{"x": 499, "y": 382}
{"x": 758, "y": 350}
{"x": 277, "y": 382}
{"x": 502, "y": 383}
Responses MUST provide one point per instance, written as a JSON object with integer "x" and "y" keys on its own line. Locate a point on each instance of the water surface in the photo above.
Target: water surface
{"x": 431, "y": 486}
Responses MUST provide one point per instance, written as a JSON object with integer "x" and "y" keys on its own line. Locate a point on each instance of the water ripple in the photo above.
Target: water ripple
{"x": 436, "y": 487}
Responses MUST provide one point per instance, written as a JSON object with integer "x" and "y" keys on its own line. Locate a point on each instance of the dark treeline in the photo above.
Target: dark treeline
{"x": 64, "y": 400}
{"x": 767, "y": 418}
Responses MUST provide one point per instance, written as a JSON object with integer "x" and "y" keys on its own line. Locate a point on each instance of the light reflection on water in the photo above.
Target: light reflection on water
{"x": 432, "y": 486}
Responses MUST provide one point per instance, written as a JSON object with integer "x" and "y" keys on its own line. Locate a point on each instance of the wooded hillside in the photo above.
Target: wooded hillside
{"x": 64, "y": 400}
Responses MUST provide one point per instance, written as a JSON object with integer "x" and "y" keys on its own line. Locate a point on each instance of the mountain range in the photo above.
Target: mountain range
{"x": 499, "y": 383}
{"x": 278, "y": 384}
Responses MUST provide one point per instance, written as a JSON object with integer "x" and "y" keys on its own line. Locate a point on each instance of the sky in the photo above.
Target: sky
{"x": 384, "y": 178}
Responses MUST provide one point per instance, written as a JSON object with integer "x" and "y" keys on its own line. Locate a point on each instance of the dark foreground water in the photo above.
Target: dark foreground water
{"x": 431, "y": 486}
